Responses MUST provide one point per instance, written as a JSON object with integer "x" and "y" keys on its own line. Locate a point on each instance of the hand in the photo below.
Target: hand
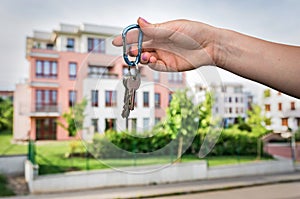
{"x": 178, "y": 45}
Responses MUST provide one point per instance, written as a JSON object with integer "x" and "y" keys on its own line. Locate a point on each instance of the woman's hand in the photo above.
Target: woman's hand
{"x": 178, "y": 45}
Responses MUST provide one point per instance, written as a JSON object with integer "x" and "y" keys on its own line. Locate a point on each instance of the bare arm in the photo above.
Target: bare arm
{"x": 183, "y": 45}
{"x": 272, "y": 64}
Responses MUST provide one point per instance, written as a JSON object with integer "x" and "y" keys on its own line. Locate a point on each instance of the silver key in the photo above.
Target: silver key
{"x": 133, "y": 83}
{"x": 126, "y": 110}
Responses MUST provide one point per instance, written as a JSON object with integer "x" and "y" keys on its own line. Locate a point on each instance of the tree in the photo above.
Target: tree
{"x": 6, "y": 114}
{"x": 256, "y": 120}
{"x": 74, "y": 118}
{"x": 181, "y": 118}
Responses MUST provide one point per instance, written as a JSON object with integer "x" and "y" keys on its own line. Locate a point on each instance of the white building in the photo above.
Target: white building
{"x": 282, "y": 111}
{"x": 230, "y": 102}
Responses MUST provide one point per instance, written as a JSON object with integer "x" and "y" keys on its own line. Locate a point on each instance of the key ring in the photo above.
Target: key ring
{"x": 140, "y": 40}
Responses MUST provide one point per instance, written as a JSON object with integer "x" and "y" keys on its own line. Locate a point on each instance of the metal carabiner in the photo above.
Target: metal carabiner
{"x": 140, "y": 40}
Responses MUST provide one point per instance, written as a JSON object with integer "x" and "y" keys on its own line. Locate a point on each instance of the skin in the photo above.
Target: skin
{"x": 183, "y": 45}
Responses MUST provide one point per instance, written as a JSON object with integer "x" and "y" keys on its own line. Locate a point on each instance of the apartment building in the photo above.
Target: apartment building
{"x": 76, "y": 62}
{"x": 230, "y": 102}
{"x": 282, "y": 111}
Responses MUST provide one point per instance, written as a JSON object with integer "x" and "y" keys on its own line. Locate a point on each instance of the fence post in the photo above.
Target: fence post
{"x": 31, "y": 151}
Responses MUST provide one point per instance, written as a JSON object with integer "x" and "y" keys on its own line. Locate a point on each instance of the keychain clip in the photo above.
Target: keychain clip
{"x": 140, "y": 40}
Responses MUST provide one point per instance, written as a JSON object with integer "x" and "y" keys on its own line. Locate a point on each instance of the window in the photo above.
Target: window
{"x": 94, "y": 98}
{"x": 175, "y": 77}
{"x": 70, "y": 44}
{"x": 132, "y": 124}
{"x": 230, "y": 110}
{"x": 236, "y": 99}
{"x": 157, "y": 120}
{"x": 97, "y": 71}
{"x": 110, "y": 124}
{"x": 284, "y": 122}
{"x": 46, "y": 69}
{"x": 46, "y": 101}
{"x": 146, "y": 124}
{"x": 72, "y": 98}
{"x": 157, "y": 100}
{"x": 110, "y": 98}
{"x": 156, "y": 76}
{"x": 95, "y": 124}
{"x": 280, "y": 106}
{"x": 267, "y": 107}
{"x": 236, "y": 110}
{"x": 293, "y": 106}
{"x": 45, "y": 128}
{"x": 96, "y": 45}
{"x": 72, "y": 70}
{"x": 170, "y": 98}
{"x": 229, "y": 99}
{"x": 146, "y": 99}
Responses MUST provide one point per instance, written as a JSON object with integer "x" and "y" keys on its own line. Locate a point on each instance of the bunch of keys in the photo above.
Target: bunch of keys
{"x": 131, "y": 81}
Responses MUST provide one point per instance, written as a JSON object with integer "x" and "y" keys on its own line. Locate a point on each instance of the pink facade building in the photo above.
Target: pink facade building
{"x": 74, "y": 62}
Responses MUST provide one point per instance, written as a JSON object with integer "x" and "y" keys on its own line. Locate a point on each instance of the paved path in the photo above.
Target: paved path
{"x": 275, "y": 191}
{"x": 164, "y": 190}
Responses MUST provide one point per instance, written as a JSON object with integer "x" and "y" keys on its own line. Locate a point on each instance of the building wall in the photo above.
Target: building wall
{"x": 272, "y": 111}
{"x": 21, "y": 122}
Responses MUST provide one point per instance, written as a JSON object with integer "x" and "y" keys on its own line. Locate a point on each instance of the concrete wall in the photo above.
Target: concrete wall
{"x": 12, "y": 164}
{"x": 108, "y": 178}
{"x": 259, "y": 168}
{"x": 147, "y": 175}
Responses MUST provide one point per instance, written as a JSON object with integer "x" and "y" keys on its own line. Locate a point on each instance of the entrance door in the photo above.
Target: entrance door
{"x": 45, "y": 128}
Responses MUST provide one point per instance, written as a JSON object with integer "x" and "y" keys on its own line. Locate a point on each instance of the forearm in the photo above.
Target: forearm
{"x": 272, "y": 64}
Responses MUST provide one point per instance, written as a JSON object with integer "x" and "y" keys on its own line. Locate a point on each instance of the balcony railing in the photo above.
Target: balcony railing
{"x": 103, "y": 75}
{"x": 47, "y": 108}
{"x": 40, "y": 109}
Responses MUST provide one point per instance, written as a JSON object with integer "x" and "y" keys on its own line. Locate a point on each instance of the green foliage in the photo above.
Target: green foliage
{"x": 243, "y": 126}
{"x": 74, "y": 118}
{"x": 256, "y": 121}
{"x": 4, "y": 190}
{"x": 267, "y": 93}
{"x": 6, "y": 114}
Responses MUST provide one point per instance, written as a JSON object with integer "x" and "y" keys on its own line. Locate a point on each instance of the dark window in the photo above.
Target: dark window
{"x": 72, "y": 70}
{"x": 284, "y": 122}
{"x": 46, "y": 69}
{"x": 110, "y": 98}
{"x": 267, "y": 107}
{"x": 170, "y": 98}
{"x": 110, "y": 124}
{"x": 96, "y": 45}
{"x": 45, "y": 129}
{"x": 95, "y": 124}
{"x": 70, "y": 44}
{"x": 293, "y": 106}
{"x": 95, "y": 98}
{"x": 280, "y": 106}
{"x": 229, "y": 99}
{"x": 146, "y": 99}
{"x": 72, "y": 98}
{"x": 157, "y": 100}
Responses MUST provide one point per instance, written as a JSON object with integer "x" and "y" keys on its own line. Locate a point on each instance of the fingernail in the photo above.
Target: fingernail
{"x": 144, "y": 20}
{"x": 144, "y": 57}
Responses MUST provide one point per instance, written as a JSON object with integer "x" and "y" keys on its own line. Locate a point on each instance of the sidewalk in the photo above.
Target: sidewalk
{"x": 150, "y": 191}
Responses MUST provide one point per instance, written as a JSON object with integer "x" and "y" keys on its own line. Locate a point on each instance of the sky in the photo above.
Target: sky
{"x": 273, "y": 20}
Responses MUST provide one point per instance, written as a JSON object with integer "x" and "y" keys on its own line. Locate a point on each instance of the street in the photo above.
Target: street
{"x": 275, "y": 191}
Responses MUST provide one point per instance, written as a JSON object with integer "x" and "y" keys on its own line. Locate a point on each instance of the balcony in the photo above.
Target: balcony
{"x": 102, "y": 75}
{"x": 40, "y": 110}
{"x": 44, "y": 53}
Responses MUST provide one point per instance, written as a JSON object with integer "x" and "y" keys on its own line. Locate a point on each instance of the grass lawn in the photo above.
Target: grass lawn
{"x": 8, "y": 148}
{"x": 51, "y": 157}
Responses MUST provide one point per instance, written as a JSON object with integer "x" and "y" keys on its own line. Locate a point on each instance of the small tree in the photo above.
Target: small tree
{"x": 6, "y": 114}
{"x": 181, "y": 118}
{"x": 74, "y": 118}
